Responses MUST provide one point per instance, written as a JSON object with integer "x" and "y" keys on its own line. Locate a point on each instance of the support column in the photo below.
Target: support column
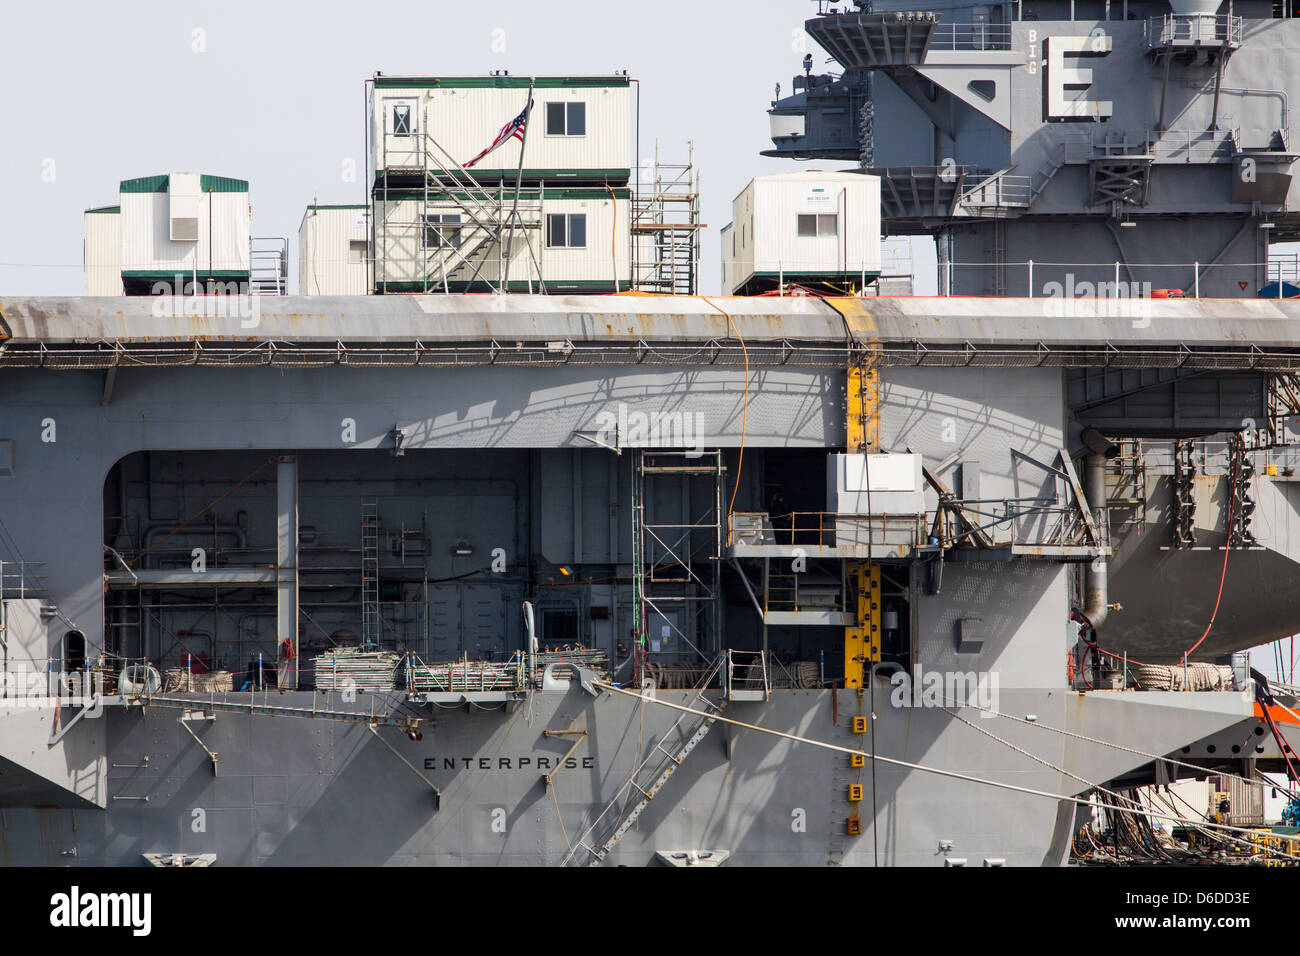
{"x": 862, "y": 641}
{"x": 863, "y": 401}
{"x": 286, "y": 570}
{"x": 862, "y": 436}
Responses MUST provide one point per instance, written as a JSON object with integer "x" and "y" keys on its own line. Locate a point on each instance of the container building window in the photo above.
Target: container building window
{"x": 402, "y": 119}
{"x": 442, "y": 231}
{"x": 357, "y": 250}
{"x": 566, "y": 119}
{"x": 811, "y": 225}
{"x": 566, "y": 230}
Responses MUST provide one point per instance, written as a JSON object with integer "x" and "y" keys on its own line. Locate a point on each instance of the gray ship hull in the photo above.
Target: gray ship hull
{"x": 324, "y": 791}
{"x": 504, "y": 465}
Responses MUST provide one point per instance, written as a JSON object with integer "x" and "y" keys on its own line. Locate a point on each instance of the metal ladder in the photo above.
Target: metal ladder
{"x": 998, "y": 272}
{"x": 1241, "y": 471}
{"x": 782, "y": 592}
{"x": 1126, "y": 481}
{"x": 669, "y": 761}
{"x": 1184, "y": 494}
{"x": 369, "y": 575}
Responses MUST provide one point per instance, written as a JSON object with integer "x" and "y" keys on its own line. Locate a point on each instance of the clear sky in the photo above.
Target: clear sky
{"x": 272, "y": 92}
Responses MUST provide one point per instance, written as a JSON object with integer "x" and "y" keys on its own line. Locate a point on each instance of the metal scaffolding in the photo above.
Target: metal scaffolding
{"x": 676, "y": 563}
{"x": 441, "y": 227}
{"x": 665, "y": 229}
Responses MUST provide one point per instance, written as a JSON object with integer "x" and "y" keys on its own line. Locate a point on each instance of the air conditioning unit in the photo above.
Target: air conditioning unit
{"x": 184, "y": 197}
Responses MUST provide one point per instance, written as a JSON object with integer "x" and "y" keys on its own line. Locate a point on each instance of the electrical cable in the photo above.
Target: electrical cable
{"x": 921, "y": 768}
{"x": 613, "y": 248}
{"x": 1227, "y": 547}
{"x": 744, "y": 408}
{"x": 1094, "y": 740}
{"x": 875, "y": 810}
{"x": 1140, "y": 822}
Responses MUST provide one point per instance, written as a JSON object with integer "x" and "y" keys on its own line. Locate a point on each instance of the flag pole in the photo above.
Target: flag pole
{"x": 519, "y": 179}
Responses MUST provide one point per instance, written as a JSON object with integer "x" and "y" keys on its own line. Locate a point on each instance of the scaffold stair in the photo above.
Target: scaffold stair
{"x": 654, "y": 772}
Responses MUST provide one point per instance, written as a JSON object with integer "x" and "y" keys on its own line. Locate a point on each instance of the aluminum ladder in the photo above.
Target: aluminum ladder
{"x": 369, "y": 575}
{"x": 663, "y": 772}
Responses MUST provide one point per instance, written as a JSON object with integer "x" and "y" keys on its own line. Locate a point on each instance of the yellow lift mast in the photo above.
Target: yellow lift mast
{"x": 862, "y": 639}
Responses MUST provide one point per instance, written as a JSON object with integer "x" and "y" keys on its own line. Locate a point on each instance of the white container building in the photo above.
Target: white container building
{"x": 579, "y": 129}
{"x": 820, "y": 230}
{"x": 103, "y": 251}
{"x": 549, "y": 210}
{"x": 564, "y": 240}
{"x": 171, "y": 230}
{"x": 332, "y": 250}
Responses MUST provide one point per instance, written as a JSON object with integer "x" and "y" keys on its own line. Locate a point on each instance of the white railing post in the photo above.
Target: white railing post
{"x": 1196, "y": 280}
{"x": 1031, "y": 278}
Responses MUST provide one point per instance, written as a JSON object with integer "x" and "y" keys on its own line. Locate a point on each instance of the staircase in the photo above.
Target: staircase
{"x": 445, "y": 264}
{"x": 650, "y": 776}
{"x": 1038, "y": 182}
{"x": 1000, "y": 196}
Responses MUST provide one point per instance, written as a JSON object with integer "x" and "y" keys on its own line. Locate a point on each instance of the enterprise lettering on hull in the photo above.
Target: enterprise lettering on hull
{"x": 509, "y": 763}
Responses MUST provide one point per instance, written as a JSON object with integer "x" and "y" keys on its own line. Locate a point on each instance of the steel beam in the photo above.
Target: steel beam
{"x": 185, "y": 578}
{"x": 286, "y": 569}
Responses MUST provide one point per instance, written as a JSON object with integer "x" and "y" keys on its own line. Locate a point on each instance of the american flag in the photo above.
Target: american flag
{"x": 512, "y": 130}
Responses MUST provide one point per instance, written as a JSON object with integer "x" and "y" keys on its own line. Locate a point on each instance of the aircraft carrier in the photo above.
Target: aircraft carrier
{"x": 689, "y": 580}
